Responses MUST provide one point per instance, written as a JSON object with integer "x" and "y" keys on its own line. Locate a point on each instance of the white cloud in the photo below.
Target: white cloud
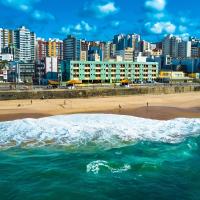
{"x": 107, "y": 8}
{"x": 78, "y": 29}
{"x": 161, "y": 27}
{"x": 40, "y": 15}
{"x": 100, "y": 9}
{"x": 23, "y": 5}
{"x": 27, "y": 6}
{"x": 158, "y": 5}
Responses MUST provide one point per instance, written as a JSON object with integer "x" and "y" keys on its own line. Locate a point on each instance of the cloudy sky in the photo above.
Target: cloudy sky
{"x": 101, "y": 19}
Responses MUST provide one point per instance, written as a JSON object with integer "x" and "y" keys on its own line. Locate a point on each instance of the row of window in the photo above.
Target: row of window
{"x": 112, "y": 65}
{"x": 122, "y": 75}
{"x": 122, "y": 70}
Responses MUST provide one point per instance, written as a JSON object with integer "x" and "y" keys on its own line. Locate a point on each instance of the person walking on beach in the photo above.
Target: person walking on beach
{"x": 31, "y": 101}
{"x": 147, "y": 106}
{"x": 120, "y": 107}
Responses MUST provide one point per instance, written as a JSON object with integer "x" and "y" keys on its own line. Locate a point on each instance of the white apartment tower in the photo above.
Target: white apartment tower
{"x": 25, "y": 43}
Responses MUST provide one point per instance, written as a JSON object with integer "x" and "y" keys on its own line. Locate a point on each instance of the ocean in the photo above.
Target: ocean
{"x": 101, "y": 157}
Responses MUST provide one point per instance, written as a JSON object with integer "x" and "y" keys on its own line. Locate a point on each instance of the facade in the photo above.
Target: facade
{"x": 145, "y": 46}
{"x": 25, "y": 44}
{"x": 6, "y": 57}
{"x": 126, "y": 54}
{"x": 94, "y": 57}
{"x": 40, "y": 71}
{"x": 190, "y": 65}
{"x": 107, "y": 51}
{"x": 21, "y": 72}
{"x": 101, "y": 72}
{"x": 50, "y": 48}
{"x": 140, "y": 58}
{"x": 71, "y": 48}
{"x": 84, "y": 56}
{"x": 173, "y": 76}
{"x": 3, "y": 75}
{"x": 51, "y": 68}
{"x": 41, "y": 49}
{"x": 33, "y": 46}
{"x": 184, "y": 49}
{"x": 195, "y": 52}
{"x": 170, "y": 46}
{"x": 127, "y": 41}
{"x": 54, "y": 48}
{"x": 176, "y": 48}
{"x": 7, "y": 38}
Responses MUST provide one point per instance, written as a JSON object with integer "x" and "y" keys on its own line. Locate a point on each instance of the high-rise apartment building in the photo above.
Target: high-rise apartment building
{"x": 50, "y": 48}
{"x": 6, "y": 41}
{"x": 170, "y": 46}
{"x": 7, "y": 38}
{"x": 107, "y": 51}
{"x": 184, "y": 49}
{"x": 24, "y": 43}
{"x": 119, "y": 41}
{"x": 54, "y": 48}
{"x": 41, "y": 49}
{"x": 195, "y": 52}
{"x": 126, "y": 54}
{"x": 71, "y": 48}
{"x": 175, "y": 46}
{"x": 127, "y": 41}
{"x": 145, "y": 46}
{"x": 33, "y": 46}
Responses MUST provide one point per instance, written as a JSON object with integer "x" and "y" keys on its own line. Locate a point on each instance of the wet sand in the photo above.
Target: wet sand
{"x": 163, "y": 107}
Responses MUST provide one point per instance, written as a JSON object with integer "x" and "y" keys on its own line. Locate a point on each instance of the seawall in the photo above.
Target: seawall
{"x": 97, "y": 92}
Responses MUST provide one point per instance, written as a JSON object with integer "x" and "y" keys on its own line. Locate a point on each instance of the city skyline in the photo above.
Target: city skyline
{"x": 100, "y": 20}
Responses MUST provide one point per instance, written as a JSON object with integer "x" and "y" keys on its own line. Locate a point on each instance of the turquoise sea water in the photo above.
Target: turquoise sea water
{"x": 99, "y": 157}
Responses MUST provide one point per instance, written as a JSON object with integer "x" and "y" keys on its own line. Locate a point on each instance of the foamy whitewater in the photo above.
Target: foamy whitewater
{"x": 95, "y": 129}
{"x": 101, "y": 157}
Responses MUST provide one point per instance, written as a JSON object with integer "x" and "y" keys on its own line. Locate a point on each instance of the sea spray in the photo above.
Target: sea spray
{"x": 105, "y": 131}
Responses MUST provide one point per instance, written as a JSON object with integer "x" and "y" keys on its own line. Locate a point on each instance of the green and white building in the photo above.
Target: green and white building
{"x": 110, "y": 72}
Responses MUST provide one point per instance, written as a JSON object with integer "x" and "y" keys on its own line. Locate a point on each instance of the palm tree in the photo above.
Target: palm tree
{"x": 3, "y": 64}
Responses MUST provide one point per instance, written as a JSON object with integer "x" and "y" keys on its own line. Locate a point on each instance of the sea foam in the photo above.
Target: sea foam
{"x": 95, "y": 166}
{"x": 94, "y": 129}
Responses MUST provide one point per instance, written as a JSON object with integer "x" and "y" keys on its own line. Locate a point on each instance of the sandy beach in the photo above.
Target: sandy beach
{"x": 163, "y": 107}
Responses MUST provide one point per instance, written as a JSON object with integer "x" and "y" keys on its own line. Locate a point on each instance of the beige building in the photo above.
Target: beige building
{"x": 126, "y": 54}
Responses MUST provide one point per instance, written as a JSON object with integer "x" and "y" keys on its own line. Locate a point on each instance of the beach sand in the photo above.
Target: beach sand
{"x": 163, "y": 107}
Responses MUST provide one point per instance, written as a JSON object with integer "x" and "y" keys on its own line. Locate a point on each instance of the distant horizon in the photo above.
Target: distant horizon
{"x": 100, "y": 20}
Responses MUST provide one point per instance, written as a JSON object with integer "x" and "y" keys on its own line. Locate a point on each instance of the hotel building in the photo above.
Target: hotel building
{"x": 110, "y": 72}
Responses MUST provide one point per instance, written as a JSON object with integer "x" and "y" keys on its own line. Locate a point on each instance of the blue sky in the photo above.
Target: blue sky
{"x": 101, "y": 19}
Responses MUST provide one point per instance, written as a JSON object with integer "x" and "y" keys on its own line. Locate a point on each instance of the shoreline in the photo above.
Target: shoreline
{"x": 161, "y": 107}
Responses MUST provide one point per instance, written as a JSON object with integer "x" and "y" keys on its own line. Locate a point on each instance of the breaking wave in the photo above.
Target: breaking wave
{"x": 94, "y": 129}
